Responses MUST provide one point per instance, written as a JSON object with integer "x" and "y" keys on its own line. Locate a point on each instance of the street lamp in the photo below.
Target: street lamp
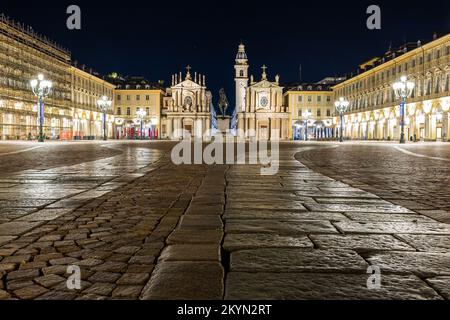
{"x": 141, "y": 114}
{"x": 104, "y": 104}
{"x": 403, "y": 90}
{"x": 41, "y": 89}
{"x": 306, "y": 115}
{"x": 341, "y": 106}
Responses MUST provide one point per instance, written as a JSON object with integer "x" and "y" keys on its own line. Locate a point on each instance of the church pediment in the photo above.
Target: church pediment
{"x": 265, "y": 84}
{"x": 187, "y": 84}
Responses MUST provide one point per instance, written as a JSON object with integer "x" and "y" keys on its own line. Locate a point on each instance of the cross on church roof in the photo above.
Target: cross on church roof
{"x": 264, "y": 75}
{"x": 188, "y": 75}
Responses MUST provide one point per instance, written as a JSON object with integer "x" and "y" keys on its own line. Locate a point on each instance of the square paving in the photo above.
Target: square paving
{"x": 140, "y": 227}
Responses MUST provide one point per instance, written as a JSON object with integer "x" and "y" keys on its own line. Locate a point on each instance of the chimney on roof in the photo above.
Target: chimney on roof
{"x": 435, "y": 36}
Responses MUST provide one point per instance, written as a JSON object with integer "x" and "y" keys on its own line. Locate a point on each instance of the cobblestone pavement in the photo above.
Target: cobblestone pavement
{"x": 142, "y": 228}
{"x": 417, "y": 179}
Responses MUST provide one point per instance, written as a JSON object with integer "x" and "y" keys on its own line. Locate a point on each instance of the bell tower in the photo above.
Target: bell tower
{"x": 241, "y": 78}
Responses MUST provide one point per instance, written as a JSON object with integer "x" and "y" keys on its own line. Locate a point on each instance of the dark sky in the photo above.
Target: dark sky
{"x": 158, "y": 38}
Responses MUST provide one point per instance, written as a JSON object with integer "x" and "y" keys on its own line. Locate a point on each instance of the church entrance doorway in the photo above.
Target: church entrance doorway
{"x": 263, "y": 133}
{"x": 188, "y": 128}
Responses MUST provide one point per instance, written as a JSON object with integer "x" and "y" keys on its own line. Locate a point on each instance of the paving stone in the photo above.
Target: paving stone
{"x": 48, "y": 256}
{"x": 128, "y": 292}
{"x": 419, "y": 263}
{"x": 46, "y": 215}
{"x": 89, "y": 262}
{"x": 23, "y": 274}
{"x": 316, "y": 286}
{"x": 195, "y": 237}
{"x": 58, "y": 296}
{"x": 64, "y": 261}
{"x": 393, "y": 227}
{"x": 441, "y": 285}
{"x": 51, "y": 238}
{"x": 362, "y": 216}
{"x": 17, "y": 228}
{"x": 127, "y": 249}
{"x": 282, "y": 215}
{"x": 4, "y": 295}
{"x": 359, "y": 208}
{"x": 205, "y": 210}
{"x": 133, "y": 279}
{"x": 18, "y": 284}
{"x": 427, "y": 242}
{"x": 50, "y": 280}
{"x": 91, "y": 297}
{"x": 191, "y": 252}
{"x": 235, "y": 242}
{"x": 175, "y": 280}
{"x": 291, "y": 227}
{"x": 17, "y": 259}
{"x": 111, "y": 266}
{"x": 6, "y": 267}
{"x": 100, "y": 289}
{"x": 145, "y": 260}
{"x": 191, "y": 222}
{"x": 30, "y": 292}
{"x": 104, "y": 277}
{"x": 366, "y": 242}
{"x": 292, "y": 205}
{"x": 292, "y": 260}
{"x": 58, "y": 269}
{"x": 33, "y": 265}
{"x": 140, "y": 268}
{"x": 6, "y": 239}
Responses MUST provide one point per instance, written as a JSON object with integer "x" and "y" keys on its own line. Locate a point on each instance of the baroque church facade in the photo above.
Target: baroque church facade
{"x": 261, "y": 112}
{"x": 186, "y": 107}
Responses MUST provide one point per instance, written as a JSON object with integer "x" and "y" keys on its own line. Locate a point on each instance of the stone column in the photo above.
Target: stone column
{"x": 241, "y": 128}
{"x": 169, "y": 128}
{"x": 445, "y": 126}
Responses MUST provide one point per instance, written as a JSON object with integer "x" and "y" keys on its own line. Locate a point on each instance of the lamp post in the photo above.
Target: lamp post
{"x": 141, "y": 114}
{"x": 41, "y": 89}
{"x": 104, "y": 104}
{"x": 341, "y": 106}
{"x": 307, "y": 115}
{"x": 403, "y": 90}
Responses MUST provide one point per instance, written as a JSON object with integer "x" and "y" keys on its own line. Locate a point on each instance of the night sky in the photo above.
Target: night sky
{"x": 158, "y": 38}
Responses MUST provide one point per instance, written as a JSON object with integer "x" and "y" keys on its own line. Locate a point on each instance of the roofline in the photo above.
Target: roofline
{"x": 417, "y": 50}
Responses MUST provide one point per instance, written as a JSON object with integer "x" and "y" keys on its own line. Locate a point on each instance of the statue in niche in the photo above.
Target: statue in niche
{"x": 187, "y": 106}
{"x": 223, "y": 102}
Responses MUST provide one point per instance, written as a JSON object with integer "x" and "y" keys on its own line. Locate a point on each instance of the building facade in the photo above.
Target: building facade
{"x": 131, "y": 96}
{"x": 23, "y": 55}
{"x": 261, "y": 111}
{"x": 187, "y": 108}
{"x": 311, "y": 109}
{"x": 87, "y": 88}
{"x": 374, "y": 112}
